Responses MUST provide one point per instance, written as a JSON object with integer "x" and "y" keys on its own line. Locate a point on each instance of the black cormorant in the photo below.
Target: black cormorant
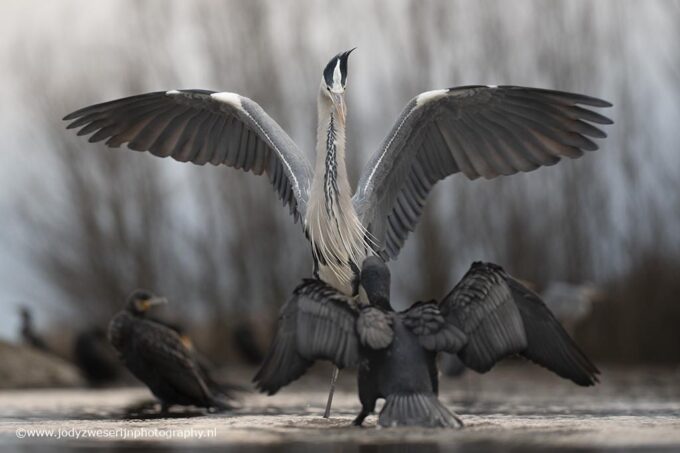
{"x": 157, "y": 356}
{"x": 486, "y": 317}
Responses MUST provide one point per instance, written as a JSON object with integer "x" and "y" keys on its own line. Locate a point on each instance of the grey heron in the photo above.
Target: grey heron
{"x": 487, "y": 316}
{"x": 479, "y": 131}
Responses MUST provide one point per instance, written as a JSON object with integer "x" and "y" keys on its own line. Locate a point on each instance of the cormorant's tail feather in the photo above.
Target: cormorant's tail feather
{"x": 417, "y": 409}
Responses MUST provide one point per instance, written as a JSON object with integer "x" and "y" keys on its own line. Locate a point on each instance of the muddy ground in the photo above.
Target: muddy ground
{"x": 517, "y": 407}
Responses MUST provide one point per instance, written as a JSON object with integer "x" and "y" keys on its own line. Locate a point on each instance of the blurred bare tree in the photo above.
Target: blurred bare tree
{"x": 219, "y": 243}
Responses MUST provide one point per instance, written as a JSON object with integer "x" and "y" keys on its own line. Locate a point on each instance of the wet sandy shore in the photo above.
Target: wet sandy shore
{"x": 517, "y": 408}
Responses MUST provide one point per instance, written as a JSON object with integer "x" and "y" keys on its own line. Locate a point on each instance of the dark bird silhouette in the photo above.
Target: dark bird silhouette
{"x": 244, "y": 337}
{"x": 157, "y": 356}
{"x": 96, "y": 359}
{"x": 28, "y": 334}
{"x": 486, "y": 317}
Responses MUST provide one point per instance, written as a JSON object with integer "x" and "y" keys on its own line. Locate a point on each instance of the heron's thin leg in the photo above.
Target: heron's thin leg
{"x": 334, "y": 378}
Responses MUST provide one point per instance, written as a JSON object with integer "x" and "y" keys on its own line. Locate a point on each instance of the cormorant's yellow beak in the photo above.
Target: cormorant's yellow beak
{"x": 147, "y": 304}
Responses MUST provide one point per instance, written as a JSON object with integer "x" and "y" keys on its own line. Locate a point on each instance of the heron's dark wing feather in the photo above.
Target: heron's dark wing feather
{"x": 476, "y": 130}
{"x": 435, "y": 334}
{"x": 501, "y": 317}
{"x": 317, "y": 323}
{"x": 202, "y": 127}
{"x": 374, "y": 327}
{"x": 162, "y": 351}
{"x": 548, "y": 344}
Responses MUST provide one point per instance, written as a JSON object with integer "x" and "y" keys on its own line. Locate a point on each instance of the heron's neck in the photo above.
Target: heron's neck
{"x": 332, "y": 225}
{"x": 330, "y": 175}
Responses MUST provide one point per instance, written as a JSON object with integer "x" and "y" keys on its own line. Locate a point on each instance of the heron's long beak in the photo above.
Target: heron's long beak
{"x": 339, "y": 103}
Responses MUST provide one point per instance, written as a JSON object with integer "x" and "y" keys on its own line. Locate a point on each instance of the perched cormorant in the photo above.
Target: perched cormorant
{"x": 157, "y": 356}
{"x": 486, "y": 317}
{"x": 205, "y": 367}
{"x": 95, "y": 357}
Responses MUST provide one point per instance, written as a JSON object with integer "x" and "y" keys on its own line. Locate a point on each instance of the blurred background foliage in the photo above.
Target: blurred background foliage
{"x": 90, "y": 223}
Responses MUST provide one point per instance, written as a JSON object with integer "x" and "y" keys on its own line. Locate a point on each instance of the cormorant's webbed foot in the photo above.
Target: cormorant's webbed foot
{"x": 360, "y": 418}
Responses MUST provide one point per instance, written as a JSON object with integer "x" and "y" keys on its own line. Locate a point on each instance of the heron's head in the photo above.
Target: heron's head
{"x": 141, "y": 300}
{"x": 335, "y": 80}
{"x": 375, "y": 282}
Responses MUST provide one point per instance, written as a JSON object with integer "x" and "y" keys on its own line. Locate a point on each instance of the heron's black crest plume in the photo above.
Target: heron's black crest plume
{"x": 329, "y": 71}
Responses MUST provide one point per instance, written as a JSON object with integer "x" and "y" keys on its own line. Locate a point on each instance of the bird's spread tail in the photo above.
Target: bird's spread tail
{"x": 417, "y": 409}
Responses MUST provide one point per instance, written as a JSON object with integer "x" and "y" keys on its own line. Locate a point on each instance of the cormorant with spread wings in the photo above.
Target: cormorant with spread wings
{"x": 488, "y": 316}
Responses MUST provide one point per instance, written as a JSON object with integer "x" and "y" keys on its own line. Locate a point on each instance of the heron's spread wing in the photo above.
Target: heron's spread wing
{"x": 435, "y": 334}
{"x": 317, "y": 323}
{"x": 476, "y": 130}
{"x": 163, "y": 352}
{"x": 501, "y": 317}
{"x": 202, "y": 127}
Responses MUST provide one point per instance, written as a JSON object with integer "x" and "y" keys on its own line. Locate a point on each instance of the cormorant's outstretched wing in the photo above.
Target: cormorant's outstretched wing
{"x": 317, "y": 323}
{"x": 477, "y": 130}
{"x": 435, "y": 334}
{"x": 548, "y": 343}
{"x": 163, "y": 353}
{"x": 501, "y": 317}
{"x": 202, "y": 127}
{"x": 283, "y": 363}
{"x": 374, "y": 327}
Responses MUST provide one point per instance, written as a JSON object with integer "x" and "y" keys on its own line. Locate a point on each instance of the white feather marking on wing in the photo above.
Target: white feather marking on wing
{"x": 421, "y": 99}
{"x": 234, "y": 100}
